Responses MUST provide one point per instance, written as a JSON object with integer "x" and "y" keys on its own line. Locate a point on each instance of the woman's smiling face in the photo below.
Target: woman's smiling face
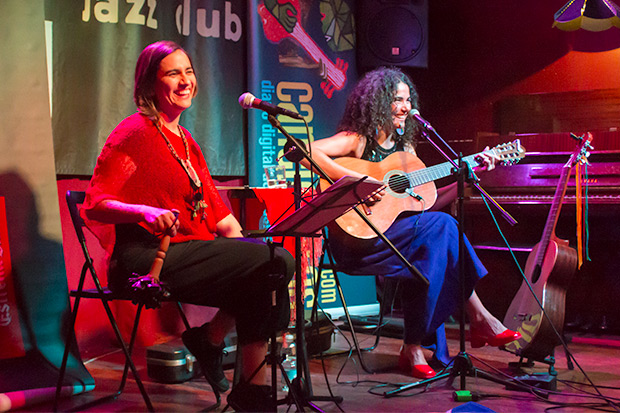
{"x": 176, "y": 84}
{"x": 401, "y": 105}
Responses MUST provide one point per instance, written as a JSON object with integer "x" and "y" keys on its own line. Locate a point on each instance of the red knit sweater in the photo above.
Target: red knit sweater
{"x": 137, "y": 167}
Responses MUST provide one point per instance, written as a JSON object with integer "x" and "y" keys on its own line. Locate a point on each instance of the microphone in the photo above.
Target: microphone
{"x": 415, "y": 114}
{"x": 248, "y": 100}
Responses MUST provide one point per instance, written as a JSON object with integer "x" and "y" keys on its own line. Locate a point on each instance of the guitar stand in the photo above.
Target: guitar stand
{"x": 550, "y": 361}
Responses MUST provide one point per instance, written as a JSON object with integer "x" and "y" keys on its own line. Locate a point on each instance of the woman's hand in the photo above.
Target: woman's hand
{"x": 486, "y": 160}
{"x": 116, "y": 212}
{"x": 161, "y": 220}
{"x": 376, "y": 197}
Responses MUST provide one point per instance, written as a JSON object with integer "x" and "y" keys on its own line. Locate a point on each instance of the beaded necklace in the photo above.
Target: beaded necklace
{"x": 185, "y": 163}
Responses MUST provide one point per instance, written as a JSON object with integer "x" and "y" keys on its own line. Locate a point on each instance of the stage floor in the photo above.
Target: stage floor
{"x": 598, "y": 356}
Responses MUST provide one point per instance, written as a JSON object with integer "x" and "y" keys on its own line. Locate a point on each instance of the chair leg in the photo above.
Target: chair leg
{"x": 316, "y": 287}
{"x": 132, "y": 340}
{"x": 182, "y": 314}
{"x": 345, "y": 308}
{"x": 353, "y": 333}
{"x": 385, "y": 298}
{"x": 127, "y": 352}
{"x": 70, "y": 336}
{"x": 377, "y": 330}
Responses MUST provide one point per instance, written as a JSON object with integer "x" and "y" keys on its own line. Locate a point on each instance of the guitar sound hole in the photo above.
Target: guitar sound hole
{"x": 398, "y": 183}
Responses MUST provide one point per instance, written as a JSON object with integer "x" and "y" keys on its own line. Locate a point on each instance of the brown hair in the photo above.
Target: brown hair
{"x": 146, "y": 75}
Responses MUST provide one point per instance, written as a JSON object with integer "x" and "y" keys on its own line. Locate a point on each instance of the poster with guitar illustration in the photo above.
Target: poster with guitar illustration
{"x": 302, "y": 58}
{"x": 537, "y": 310}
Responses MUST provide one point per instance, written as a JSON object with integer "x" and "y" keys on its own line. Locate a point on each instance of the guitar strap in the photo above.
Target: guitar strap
{"x": 581, "y": 192}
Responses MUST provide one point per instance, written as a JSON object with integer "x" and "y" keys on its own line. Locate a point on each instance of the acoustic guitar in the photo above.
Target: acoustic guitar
{"x": 409, "y": 185}
{"x": 549, "y": 268}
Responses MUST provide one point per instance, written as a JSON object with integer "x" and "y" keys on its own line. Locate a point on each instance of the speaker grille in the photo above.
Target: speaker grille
{"x": 394, "y": 35}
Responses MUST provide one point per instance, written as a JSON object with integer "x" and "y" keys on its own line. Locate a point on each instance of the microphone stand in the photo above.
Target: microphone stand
{"x": 461, "y": 365}
{"x": 302, "y": 357}
{"x": 475, "y": 181}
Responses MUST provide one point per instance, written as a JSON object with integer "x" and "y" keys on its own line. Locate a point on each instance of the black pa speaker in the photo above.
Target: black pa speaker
{"x": 392, "y": 33}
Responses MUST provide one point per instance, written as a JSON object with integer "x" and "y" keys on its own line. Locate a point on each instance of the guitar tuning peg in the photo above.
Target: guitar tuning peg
{"x": 322, "y": 70}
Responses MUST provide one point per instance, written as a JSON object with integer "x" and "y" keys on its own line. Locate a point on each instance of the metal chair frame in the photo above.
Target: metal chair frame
{"x": 74, "y": 200}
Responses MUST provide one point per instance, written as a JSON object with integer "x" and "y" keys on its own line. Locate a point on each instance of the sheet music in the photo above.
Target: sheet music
{"x": 339, "y": 198}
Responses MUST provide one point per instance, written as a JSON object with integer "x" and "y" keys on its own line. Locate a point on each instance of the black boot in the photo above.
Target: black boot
{"x": 247, "y": 397}
{"x": 208, "y": 355}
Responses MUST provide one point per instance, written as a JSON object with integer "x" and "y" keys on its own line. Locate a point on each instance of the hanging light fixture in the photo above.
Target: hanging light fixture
{"x": 591, "y": 15}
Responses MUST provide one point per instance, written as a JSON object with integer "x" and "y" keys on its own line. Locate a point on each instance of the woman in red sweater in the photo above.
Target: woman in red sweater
{"x": 149, "y": 172}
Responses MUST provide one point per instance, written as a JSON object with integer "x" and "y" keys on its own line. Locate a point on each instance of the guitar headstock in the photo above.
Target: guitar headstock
{"x": 581, "y": 152}
{"x": 509, "y": 153}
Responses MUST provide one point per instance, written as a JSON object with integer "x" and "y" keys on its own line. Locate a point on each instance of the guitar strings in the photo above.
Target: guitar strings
{"x": 418, "y": 177}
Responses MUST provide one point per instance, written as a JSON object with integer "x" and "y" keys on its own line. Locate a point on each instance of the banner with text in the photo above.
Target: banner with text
{"x": 94, "y": 50}
{"x": 301, "y": 57}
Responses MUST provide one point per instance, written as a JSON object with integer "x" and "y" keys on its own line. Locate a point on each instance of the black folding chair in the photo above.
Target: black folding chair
{"x": 332, "y": 265}
{"x": 74, "y": 200}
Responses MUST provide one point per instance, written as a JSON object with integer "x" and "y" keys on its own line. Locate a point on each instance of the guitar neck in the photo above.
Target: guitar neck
{"x": 439, "y": 171}
{"x": 554, "y": 212}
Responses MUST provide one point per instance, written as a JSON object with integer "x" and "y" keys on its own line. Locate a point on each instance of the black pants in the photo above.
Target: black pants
{"x": 237, "y": 275}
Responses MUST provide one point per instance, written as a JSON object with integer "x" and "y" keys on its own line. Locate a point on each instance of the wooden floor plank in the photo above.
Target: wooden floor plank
{"x": 599, "y": 357}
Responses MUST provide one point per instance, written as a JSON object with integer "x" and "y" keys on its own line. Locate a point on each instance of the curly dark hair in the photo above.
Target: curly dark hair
{"x": 369, "y": 106}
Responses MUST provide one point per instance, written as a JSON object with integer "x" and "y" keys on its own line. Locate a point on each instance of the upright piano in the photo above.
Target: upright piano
{"x": 526, "y": 191}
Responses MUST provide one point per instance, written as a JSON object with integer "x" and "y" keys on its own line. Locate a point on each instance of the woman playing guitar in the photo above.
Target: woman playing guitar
{"x": 375, "y": 125}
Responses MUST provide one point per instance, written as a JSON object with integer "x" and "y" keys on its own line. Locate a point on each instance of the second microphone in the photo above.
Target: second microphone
{"x": 248, "y": 100}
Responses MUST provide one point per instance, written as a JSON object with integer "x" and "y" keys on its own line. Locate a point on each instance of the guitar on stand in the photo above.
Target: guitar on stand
{"x": 539, "y": 303}
{"x": 409, "y": 185}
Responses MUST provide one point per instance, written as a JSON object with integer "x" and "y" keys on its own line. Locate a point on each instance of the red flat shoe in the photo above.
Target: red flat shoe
{"x": 497, "y": 340}
{"x": 419, "y": 371}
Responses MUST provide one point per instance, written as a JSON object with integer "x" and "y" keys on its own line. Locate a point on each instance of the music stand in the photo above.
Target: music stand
{"x": 297, "y": 149}
{"x": 339, "y": 198}
{"x": 307, "y": 221}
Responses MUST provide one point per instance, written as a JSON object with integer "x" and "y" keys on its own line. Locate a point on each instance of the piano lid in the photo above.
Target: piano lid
{"x": 553, "y": 142}
{"x": 540, "y": 172}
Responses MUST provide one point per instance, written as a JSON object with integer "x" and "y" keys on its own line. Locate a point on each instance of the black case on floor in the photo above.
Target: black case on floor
{"x": 171, "y": 363}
